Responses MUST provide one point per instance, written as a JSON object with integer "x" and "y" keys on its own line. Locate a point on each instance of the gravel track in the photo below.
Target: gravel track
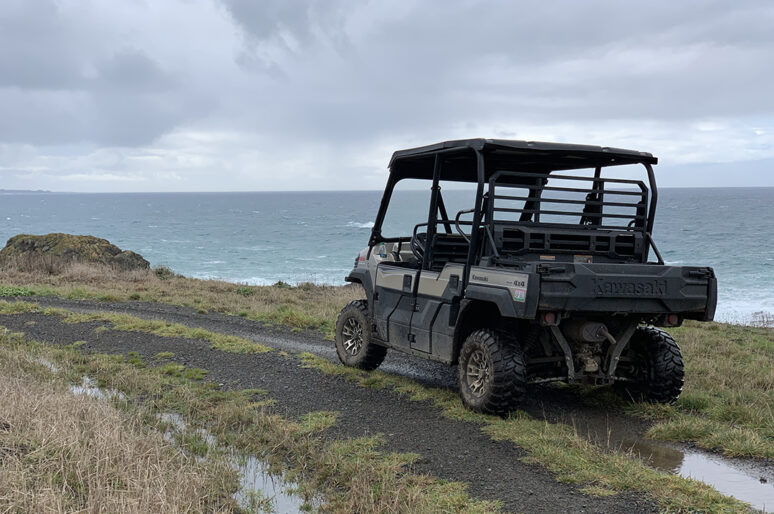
{"x": 450, "y": 450}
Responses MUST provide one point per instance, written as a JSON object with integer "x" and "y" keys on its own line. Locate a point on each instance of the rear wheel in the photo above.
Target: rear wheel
{"x": 354, "y": 343}
{"x": 657, "y": 367}
{"x": 491, "y": 372}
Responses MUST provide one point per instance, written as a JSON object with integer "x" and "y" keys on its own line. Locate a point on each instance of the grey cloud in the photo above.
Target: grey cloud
{"x": 36, "y": 49}
{"x": 61, "y": 83}
{"x": 446, "y": 62}
{"x": 132, "y": 70}
{"x": 292, "y": 26}
{"x": 350, "y": 78}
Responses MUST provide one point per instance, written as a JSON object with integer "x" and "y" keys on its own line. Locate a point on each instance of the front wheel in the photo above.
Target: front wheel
{"x": 354, "y": 343}
{"x": 491, "y": 372}
{"x": 657, "y": 366}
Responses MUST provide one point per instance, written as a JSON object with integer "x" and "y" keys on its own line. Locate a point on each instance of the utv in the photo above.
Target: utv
{"x": 545, "y": 278}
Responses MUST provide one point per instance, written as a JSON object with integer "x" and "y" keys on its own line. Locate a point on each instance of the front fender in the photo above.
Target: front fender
{"x": 360, "y": 275}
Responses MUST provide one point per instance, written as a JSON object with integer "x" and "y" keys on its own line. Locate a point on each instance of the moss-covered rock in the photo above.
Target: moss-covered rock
{"x": 70, "y": 247}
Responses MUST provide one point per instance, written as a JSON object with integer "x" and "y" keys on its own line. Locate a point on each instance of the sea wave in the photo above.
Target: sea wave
{"x": 355, "y": 224}
{"x": 265, "y": 281}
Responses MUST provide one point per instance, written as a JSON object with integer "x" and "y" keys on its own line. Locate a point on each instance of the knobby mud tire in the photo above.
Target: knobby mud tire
{"x": 664, "y": 380}
{"x": 369, "y": 355}
{"x": 506, "y": 386}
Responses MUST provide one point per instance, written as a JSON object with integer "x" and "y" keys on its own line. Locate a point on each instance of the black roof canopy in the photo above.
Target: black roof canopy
{"x": 459, "y": 156}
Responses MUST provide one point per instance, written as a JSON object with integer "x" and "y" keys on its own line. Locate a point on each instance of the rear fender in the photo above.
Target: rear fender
{"x": 474, "y": 314}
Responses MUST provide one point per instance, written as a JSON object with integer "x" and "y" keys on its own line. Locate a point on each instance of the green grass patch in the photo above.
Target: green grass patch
{"x": 135, "y": 359}
{"x": 555, "y": 446}
{"x": 15, "y": 291}
{"x": 126, "y": 323}
{"x": 17, "y": 307}
{"x": 244, "y": 291}
{"x": 317, "y": 421}
{"x": 192, "y": 442}
{"x": 174, "y": 369}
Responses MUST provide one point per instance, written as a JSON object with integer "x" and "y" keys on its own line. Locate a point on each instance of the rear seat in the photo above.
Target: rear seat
{"x": 448, "y": 248}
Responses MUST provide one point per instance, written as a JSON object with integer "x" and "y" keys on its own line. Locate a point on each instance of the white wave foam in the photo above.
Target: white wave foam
{"x": 355, "y": 224}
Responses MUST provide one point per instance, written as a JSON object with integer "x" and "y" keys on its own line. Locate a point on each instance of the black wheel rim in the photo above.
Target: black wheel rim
{"x": 352, "y": 336}
{"x": 478, "y": 372}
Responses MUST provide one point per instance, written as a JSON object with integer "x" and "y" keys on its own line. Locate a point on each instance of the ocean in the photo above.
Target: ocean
{"x": 265, "y": 237}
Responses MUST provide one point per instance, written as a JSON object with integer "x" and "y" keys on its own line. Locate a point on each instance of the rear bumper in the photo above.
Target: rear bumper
{"x": 630, "y": 289}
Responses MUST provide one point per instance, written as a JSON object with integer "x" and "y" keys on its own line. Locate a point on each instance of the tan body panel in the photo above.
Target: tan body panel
{"x": 433, "y": 283}
{"x": 391, "y": 277}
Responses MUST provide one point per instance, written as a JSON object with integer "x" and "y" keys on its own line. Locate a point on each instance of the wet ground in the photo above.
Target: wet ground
{"x": 258, "y": 486}
{"x": 748, "y": 480}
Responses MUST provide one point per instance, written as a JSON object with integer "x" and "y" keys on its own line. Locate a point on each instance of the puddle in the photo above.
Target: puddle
{"x": 176, "y": 424}
{"x": 729, "y": 479}
{"x": 255, "y": 477}
{"x": 745, "y": 479}
{"x": 47, "y": 363}
{"x": 259, "y": 489}
{"x": 89, "y": 388}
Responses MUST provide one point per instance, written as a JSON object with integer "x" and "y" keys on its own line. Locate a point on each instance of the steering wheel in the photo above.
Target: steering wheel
{"x": 417, "y": 244}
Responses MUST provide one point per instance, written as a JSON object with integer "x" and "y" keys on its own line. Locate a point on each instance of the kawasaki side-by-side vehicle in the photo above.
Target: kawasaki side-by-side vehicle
{"x": 544, "y": 276}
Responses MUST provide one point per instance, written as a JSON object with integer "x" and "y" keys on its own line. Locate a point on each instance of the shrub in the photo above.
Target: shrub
{"x": 244, "y": 290}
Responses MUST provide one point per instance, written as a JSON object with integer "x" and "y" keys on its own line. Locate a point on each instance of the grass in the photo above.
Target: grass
{"x": 353, "y": 475}
{"x": 65, "y": 452}
{"x": 727, "y": 404}
{"x": 555, "y": 446}
{"x": 304, "y": 307}
{"x": 728, "y": 399}
{"x": 15, "y": 291}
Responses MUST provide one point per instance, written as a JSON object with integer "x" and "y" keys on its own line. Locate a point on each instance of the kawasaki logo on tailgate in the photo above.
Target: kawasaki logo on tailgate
{"x": 613, "y": 287}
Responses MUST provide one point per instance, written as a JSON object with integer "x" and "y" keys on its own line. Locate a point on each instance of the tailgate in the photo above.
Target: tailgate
{"x": 629, "y": 288}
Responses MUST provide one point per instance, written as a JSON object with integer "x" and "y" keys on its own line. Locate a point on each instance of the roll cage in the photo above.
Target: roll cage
{"x": 518, "y": 213}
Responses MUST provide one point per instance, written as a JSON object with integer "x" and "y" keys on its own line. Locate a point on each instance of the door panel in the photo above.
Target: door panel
{"x": 435, "y": 289}
{"x": 422, "y": 321}
{"x": 393, "y": 305}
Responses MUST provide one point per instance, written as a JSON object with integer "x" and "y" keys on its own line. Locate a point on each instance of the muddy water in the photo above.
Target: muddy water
{"x": 747, "y": 480}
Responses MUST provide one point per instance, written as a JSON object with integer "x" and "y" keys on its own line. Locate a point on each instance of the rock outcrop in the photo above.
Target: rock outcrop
{"x": 71, "y": 248}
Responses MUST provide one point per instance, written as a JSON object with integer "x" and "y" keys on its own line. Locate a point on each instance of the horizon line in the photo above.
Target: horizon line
{"x": 43, "y": 191}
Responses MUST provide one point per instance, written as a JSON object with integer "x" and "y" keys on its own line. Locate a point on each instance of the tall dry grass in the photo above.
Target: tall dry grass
{"x": 307, "y": 306}
{"x": 61, "y": 452}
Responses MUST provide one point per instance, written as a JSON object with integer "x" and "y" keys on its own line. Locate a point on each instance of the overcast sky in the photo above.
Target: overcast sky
{"x": 230, "y": 95}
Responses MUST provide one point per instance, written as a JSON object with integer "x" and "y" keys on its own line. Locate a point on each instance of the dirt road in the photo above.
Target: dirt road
{"x": 450, "y": 450}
